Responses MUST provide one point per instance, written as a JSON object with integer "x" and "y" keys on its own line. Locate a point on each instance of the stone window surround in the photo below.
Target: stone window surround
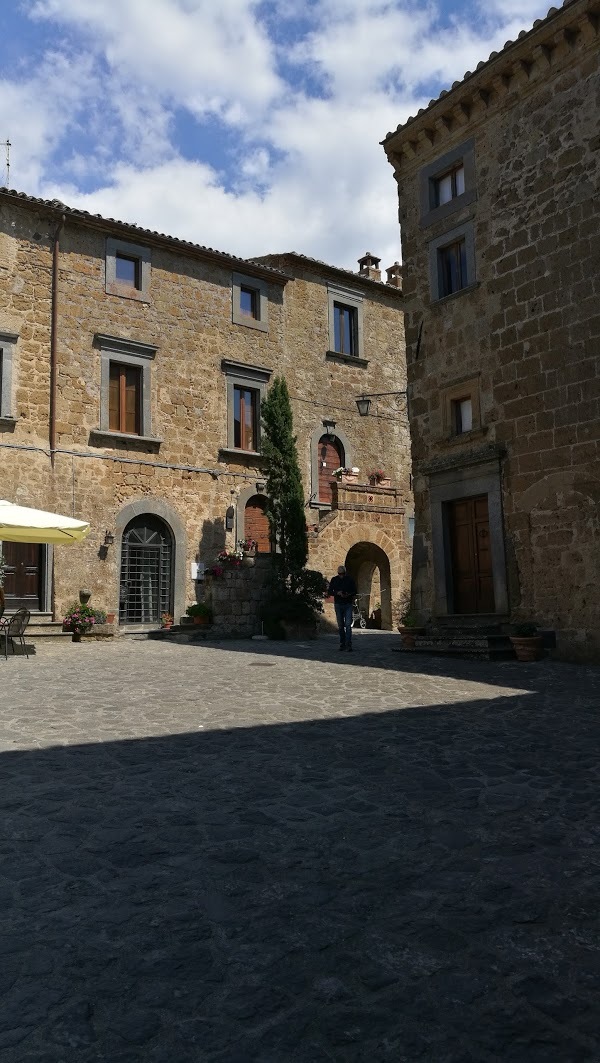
{"x": 464, "y": 153}
{"x": 238, "y": 374}
{"x": 466, "y": 232}
{"x": 125, "y": 352}
{"x": 244, "y": 496}
{"x": 137, "y": 251}
{"x": 467, "y": 388}
{"x": 318, "y": 433}
{"x": 241, "y": 280}
{"x": 450, "y": 485}
{"x": 336, "y": 293}
{"x": 8, "y": 341}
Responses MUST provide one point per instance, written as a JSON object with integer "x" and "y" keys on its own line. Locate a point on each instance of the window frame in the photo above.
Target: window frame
{"x": 8, "y": 342}
{"x": 243, "y": 390}
{"x": 252, "y": 378}
{"x": 453, "y": 236}
{"x": 126, "y": 353}
{"x": 458, "y": 392}
{"x": 430, "y": 175}
{"x": 260, "y": 287}
{"x": 349, "y": 299}
{"x": 140, "y": 254}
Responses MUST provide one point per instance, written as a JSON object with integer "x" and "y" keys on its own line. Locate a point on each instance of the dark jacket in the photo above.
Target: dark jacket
{"x": 343, "y": 589}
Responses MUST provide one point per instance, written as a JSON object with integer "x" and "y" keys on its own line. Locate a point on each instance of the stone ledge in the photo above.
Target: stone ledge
{"x": 346, "y": 359}
{"x": 104, "y": 437}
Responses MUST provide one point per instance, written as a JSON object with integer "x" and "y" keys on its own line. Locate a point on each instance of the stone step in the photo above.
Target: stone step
{"x": 474, "y": 644}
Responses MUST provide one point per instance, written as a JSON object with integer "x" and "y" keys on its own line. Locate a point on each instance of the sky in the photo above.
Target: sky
{"x": 249, "y": 126}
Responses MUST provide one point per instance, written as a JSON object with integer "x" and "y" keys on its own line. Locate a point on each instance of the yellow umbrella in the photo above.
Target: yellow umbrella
{"x": 19, "y": 524}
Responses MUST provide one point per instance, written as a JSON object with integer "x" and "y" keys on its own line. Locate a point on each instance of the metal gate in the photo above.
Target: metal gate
{"x": 146, "y": 588}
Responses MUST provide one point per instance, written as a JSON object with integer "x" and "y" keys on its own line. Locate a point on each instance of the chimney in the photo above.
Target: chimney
{"x": 369, "y": 267}
{"x": 394, "y": 275}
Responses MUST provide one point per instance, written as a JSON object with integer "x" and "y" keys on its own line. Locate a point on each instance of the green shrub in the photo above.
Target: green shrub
{"x": 200, "y": 609}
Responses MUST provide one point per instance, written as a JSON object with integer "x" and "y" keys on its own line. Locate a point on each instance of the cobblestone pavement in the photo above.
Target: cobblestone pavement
{"x": 258, "y": 851}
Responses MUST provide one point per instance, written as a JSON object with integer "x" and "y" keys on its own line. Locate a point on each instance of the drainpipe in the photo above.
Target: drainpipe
{"x": 53, "y": 339}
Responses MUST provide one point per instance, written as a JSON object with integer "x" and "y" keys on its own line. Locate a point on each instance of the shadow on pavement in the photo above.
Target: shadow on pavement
{"x": 414, "y": 885}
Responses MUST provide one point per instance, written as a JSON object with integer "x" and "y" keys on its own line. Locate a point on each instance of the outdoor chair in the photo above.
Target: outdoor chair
{"x": 14, "y": 628}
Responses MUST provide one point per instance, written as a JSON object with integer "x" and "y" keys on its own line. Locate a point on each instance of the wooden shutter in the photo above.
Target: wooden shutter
{"x": 124, "y": 399}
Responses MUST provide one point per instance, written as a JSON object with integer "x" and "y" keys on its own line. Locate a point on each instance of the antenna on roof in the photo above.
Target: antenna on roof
{"x": 6, "y": 144}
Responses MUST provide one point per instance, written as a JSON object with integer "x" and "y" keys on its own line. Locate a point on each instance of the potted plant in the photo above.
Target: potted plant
{"x": 248, "y": 546}
{"x": 293, "y": 613}
{"x": 166, "y": 621}
{"x": 79, "y": 619}
{"x": 379, "y": 476}
{"x": 527, "y": 644}
{"x": 407, "y": 622}
{"x": 201, "y": 613}
{"x": 229, "y": 558}
{"x": 346, "y": 475}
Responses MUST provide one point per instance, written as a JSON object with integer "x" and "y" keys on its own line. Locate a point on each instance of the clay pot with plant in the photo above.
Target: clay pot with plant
{"x": 527, "y": 644}
{"x": 200, "y": 613}
{"x": 407, "y": 622}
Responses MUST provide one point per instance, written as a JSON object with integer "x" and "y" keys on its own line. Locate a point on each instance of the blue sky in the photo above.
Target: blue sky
{"x": 246, "y": 125}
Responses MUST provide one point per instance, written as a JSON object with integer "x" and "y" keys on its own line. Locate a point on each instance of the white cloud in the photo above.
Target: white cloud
{"x": 297, "y": 169}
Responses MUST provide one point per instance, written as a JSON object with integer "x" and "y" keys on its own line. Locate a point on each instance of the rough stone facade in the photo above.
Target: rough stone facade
{"x": 186, "y": 339}
{"x": 519, "y": 338}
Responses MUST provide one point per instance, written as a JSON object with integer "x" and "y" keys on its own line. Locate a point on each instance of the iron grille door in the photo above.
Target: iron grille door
{"x": 146, "y": 571}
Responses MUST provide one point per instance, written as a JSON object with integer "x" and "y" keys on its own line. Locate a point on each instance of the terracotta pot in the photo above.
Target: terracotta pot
{"x": 408, "y": 635}
{"x": 200, "y": 621}
{"x": 166, "y": 627}
{"x": 75, "y": 636}
{"x": 110, "y": 618}
{"x": 528, "y": 649}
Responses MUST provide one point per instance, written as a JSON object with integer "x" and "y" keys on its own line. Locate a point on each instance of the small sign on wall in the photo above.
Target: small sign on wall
{"x": 197, "y": 571}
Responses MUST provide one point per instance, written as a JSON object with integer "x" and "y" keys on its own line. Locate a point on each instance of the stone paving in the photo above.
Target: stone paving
{"x": 257, "y": 851}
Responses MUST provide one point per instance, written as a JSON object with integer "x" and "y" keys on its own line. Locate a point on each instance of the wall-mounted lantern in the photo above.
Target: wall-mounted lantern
{"x": 229, "y": 518}
{"x": 109, "y": 538}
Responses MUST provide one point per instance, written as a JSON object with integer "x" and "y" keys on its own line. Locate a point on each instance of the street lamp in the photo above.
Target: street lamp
{"x": 363, "y": 402}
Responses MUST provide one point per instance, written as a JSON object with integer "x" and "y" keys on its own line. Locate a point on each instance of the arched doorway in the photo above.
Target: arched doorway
{"x": 147, "y": 565}
{"x": 256, "y": 523}
{"x": 369, "y": 566}
{"x": 330, "y": 457}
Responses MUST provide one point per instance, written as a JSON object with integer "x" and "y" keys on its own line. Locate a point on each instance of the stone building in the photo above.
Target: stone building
{"x": 133, "y": 366}
{"x": 499, "y": 207}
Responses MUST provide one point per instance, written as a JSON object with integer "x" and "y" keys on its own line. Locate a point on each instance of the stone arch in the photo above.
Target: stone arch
{"x": 369, "y": 566}
{"x": 157, "y": 507}
{"x": 242, "y": 500}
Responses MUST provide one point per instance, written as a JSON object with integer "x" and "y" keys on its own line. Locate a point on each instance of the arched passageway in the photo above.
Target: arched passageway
{"x": 147, "y": 568}
{"x": 369, "y": 566}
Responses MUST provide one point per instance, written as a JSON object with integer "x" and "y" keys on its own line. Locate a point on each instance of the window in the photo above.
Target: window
{"x": 461, "y": 408}
{"x": 8, "y": 341}
{"x": 124, "y": 398}
{"x": 462, "y": 415}
{"x": 250, "y": 302}
{"x": 125, "y": 388}
{"x": 453, "y": 268}
{"x": 245, "y": 418}
{"x": 127, "y": 270}
{"x": 452, "y": 262}
{"x": 246, "y": 386}
{"x": 345, "y": 325}
{"x": 448, "y": 184}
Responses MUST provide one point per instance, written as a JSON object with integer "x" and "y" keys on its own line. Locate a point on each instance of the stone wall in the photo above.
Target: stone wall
{"x": 236, "y": 598}
{"x": 182, "y": 468}
{"x": 525, "y": 336}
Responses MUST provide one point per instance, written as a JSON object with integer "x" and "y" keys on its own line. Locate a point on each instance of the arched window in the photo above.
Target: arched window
{"x": 256, "y": 523}
{"x": 146, "y": 588}
{"x": 330, "y": 457}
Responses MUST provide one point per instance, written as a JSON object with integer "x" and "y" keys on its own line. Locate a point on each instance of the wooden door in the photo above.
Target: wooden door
{"x": 256, "y": 523}
{"x": 331, "y": 456}
{"x": 472, "y": 576}
{"x": 23, "y": 576}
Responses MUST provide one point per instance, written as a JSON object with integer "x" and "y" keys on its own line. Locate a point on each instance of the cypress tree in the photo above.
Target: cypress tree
{"x": 285, "y": 506}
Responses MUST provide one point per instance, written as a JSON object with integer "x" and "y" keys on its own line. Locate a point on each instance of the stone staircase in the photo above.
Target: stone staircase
{"x": 41, "y": 626}
{"x": 466, "y": 637}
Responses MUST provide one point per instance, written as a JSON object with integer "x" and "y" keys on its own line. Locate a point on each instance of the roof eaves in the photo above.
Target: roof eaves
{"x": 98, "y": 221}
{"x": 552, "y": 14}
{"x": 318, "y": 266}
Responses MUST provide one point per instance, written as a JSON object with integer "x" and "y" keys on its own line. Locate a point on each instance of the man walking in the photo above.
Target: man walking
{"x": 343, "y": 589}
